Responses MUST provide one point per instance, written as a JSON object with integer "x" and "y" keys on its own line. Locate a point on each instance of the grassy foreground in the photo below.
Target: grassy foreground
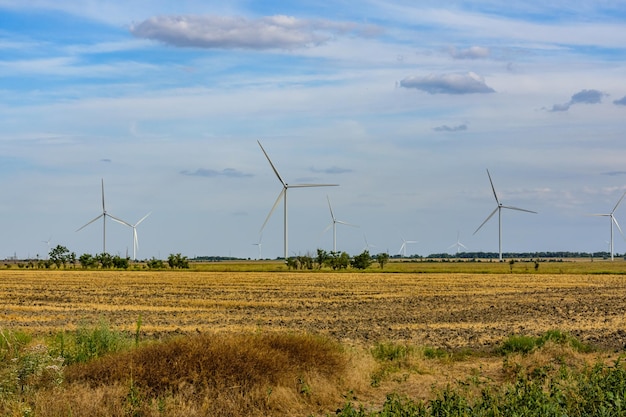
{"x": 100, "y": 372}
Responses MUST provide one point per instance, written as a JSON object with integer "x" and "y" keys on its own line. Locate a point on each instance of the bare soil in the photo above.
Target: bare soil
{"x": 433, "y": 309}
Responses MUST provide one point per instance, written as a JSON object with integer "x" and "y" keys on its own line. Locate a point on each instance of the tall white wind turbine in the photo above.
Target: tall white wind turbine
{"x": 283, "y": 195}
{"x": 104, "y": 216}
{"x": 135, "y": 238}
{"x": 333, "y": 224}
{"x": 499, "y": 210}
{"x": 612, "y": 220}
{"x": 405, "y": 243}
{"x": 458, "y": 245}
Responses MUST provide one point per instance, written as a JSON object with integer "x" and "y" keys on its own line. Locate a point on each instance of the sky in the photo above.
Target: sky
{"x": 404, "y": 104}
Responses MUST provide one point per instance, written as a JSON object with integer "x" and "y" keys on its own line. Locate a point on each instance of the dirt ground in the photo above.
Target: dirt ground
{"x": 433, "y": 309}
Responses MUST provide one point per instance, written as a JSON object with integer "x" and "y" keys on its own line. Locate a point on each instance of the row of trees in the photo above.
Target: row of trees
{"x": 61, "y": 257}
{"x": 337, "y": 260}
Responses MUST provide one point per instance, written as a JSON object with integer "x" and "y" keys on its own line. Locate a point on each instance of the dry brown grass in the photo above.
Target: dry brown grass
{"x": 259, "y": 374}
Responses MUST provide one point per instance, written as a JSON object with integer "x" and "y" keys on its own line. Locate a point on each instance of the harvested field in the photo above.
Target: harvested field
{"x": 428, "y": 309}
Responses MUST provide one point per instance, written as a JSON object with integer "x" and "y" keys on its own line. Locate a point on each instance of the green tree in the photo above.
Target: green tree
{"x": 382, "y": 259}
{"x": 106, "y": 260}
{"x": 177, "y": 261}
{"x": 59, "y": 255}
{"x": 322, "y": 258}
{"x": 87, "y": 261}
{"x": 362, "y": 261}
{"x": 120, "y": 263}
{"x": 339, "y": 260}
{"x": 155, "y": 263}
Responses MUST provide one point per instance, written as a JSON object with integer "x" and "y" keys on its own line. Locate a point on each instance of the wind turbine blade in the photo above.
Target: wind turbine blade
{"x": 487, "y": 219}
{"x": 332, "y": 215}
{"x": 519, "y": 209}
{"x": 310, "y": 185}
{"x": 347, "y": 224}
{"x": 402, "y": 247}
{"x": 493, "y": 188}
{"x": 90, "y": 222}
{"x": 599, "y": 215}
{"x": 461, "y": 245}
{"x": 617, "y": 224}
{"x": 103, "y": 209}
{"x": 272, "y": 165}
{"x": 620, "y": 200}
{"x": 120, "y": 221}
{"x": 280, "y": 196}
{"x": 327, "y": 228}
{"x": 142, "y": 219}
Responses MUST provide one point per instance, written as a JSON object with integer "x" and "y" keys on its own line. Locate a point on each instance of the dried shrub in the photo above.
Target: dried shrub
{"x": 229, "y": 372}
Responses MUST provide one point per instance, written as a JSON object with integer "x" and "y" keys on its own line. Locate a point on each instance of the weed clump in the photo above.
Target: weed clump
{"x": 526, "y": 344}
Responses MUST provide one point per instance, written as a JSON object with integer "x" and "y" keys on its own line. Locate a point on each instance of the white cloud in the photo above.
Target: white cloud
{"x": 473, "y": 52}
{"x": 283, "y": 32}
{"x": 468, "y": 83}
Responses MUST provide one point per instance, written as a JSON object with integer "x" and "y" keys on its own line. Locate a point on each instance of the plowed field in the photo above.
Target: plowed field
{"x": 439, "y": 310}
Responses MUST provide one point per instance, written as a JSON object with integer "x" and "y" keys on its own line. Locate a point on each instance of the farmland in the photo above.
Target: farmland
{"x": 398, "y": 330}
{"x": 451, "y": 310}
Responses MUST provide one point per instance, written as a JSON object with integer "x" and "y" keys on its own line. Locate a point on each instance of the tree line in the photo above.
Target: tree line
{"x": 61, "y": 257}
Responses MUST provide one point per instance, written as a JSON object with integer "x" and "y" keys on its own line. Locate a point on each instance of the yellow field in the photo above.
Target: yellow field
{"x": 428, "y": 309}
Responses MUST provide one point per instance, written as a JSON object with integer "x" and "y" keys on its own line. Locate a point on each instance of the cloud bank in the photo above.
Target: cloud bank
{"x": 620, "y": 102}
{"x": 474, "y": 52}
{"x": 211, "y": 173}
{"x": 582, "y": 97}
{"x": 281, "y": 32}
{"x": 453, "y": 83}
{"x": 446, "y": 128}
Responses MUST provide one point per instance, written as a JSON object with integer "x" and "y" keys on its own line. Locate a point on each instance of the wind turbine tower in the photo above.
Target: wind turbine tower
{"x": 498, "y": 209}
{"x": 283, "y": 195}
{"x": 135, "y": 238}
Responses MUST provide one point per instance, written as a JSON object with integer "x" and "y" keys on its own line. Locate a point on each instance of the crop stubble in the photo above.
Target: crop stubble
{"x": 439, "y": 310}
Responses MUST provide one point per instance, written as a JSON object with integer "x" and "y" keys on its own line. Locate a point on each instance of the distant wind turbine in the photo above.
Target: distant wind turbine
{"x": 458, "y": 245}
{"x": 367, "y": 244}
{"x": 612, "y": 220}
{"x": 135, "y": 238}
{"x": 333, "y": 224}
{"x": 405, "y": 243}
{"x": 283, "y": 195}
{"x": 259, "y": 244}
{"x": 499, "y": 210}
{"x": 104, "y": 216}
{"x": 47, "y": 242}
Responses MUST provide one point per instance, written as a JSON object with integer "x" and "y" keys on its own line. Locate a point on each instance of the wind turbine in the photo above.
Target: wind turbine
{"x": 283, "y": 195}
{"x": 612, "y": 220}
{"x": 367, "y": 244}
{"x": 47, "y": 242}
{"x": 259, "y": 244}
{"x": 135, "y": 239}
{"x": 458, "y": 244}
{"x": 104, "y": 216}
{"x": 333, "y": 224}
{"x": 499, "y": 210}
{"x": 405, "y": 243}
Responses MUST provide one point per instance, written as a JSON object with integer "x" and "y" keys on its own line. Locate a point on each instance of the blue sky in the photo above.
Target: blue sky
{"x": 404, "y": 104}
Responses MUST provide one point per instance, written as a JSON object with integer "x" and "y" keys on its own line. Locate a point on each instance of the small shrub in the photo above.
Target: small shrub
{"x": 518, "y": 344}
